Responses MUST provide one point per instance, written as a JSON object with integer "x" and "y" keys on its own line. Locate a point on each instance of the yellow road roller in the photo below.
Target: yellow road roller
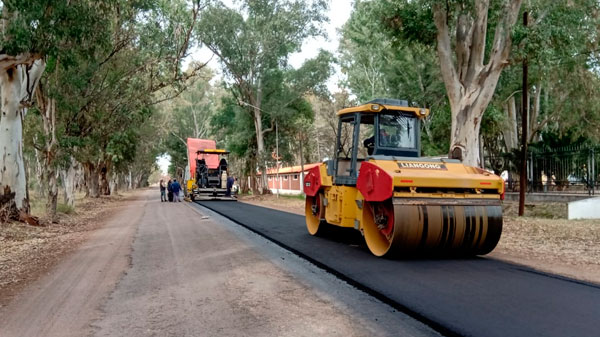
{"x": 401, "y": 203}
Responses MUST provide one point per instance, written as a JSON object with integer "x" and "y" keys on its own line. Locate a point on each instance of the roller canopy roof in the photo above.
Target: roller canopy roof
{"x": 382, "y": 104}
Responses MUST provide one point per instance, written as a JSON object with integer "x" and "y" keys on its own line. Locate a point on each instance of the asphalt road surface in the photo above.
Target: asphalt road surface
{"x": 465, "y": 297}
{"x": 169, "y": 269}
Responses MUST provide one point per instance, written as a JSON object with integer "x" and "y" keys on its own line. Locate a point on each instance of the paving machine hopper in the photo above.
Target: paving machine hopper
{"x": 209, "y": 171}
{"x": 402, "y": 204}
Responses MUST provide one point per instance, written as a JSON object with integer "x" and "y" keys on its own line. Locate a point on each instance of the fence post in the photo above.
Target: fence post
{"x": 530, "y": 169}
{"x": 593, "y": 170}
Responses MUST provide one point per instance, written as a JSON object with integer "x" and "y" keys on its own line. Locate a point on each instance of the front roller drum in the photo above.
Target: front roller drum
{"x": 405, "y": 227}
{"x": 314, "y": 210}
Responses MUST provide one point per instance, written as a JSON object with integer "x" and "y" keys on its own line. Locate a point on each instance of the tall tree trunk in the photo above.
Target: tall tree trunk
{"x": 69, "y": 177}
{"x": 103, "y": 169}
{"x": 114, "y": 184}
{"x": 129, "y": 180}
{"x": 469, "y": 82}
{"x": 52, "y": 200}
{"x": 92, "y": 180}
{"x": 39, "y": 170}
{"x": 510, "y": 133}
{"x": 18, "y": 79}
{"x": 47, "y": 107}
{"x": 12, "y": 172}
{"x": 253, "y": 186}
{"x": 534, "y": 112}
{"x": 260, "y": 144}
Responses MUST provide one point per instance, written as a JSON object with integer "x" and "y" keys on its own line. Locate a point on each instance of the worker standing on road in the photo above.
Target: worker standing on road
{"x": 170, "y": 190}
{"x": 176, "y": 189}
{"x": 163, "y": 191}
{"x": 230, "y": 182}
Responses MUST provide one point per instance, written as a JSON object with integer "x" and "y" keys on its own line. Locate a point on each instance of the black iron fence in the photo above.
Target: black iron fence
{"x": 571, "y": 169}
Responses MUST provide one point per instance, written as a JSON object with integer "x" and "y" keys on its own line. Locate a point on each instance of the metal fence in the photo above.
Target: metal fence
{"x": 571, "y": 169}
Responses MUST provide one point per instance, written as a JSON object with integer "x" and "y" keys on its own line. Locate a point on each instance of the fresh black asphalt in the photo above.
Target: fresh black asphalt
{"x": 463, "y": 297}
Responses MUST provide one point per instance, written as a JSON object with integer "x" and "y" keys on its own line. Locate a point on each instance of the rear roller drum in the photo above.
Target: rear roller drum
{"x": 396, "y": 227}
{"x": 315, "y": 214}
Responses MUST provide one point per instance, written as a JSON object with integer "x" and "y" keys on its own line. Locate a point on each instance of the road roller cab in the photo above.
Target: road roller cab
{"x": 401, "y": 202}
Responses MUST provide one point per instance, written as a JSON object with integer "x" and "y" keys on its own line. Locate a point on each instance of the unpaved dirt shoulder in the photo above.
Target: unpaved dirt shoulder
{"x": 193, "y": 274}
{"x": 28, "y": 252}
{"x": 64, "y": 300}
{"x": 559, "y": 246}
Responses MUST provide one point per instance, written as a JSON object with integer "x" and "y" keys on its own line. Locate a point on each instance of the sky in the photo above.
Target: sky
{"x": 339, "y": 13}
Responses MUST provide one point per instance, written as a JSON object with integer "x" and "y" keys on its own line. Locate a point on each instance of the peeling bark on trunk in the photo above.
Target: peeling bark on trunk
{"x": 469, "y": 82}
{"x": 129, "y": 181}
{"x": 253, "y": 186}
{"x": 534, "y": 113}
{"x": 12, "y": 170}
{"x": 92, "y": 180}
{"x": 510, "y": 133}
{"x": 47, "y": 107}
{"x": 114, "y": 184}
{"x": 465, "y": 130}
{"x": 69, "y": 177}
{"x": 52, "y": 200}
{"x": 18, "y": 79}
{"x": 103, "y": 174}
{"x": 260, "y": 141}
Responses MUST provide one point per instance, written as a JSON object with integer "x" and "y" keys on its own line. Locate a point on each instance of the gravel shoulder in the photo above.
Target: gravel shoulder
{"x": 544, "y": 240}
{"x": 169, "y": 269}
{"x": 28, "y": 252}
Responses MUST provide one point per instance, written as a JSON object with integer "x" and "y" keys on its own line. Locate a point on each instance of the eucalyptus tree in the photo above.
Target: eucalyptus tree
{"x": 30, "y": 32}
{"x": 253, "y": 43}
{"x": 378, "y": 64}
{"x": 560, "y": 43}
{"x": 469, "y": 74}
{"x": 114, "y": 92}
{"x": 469, "y": 60}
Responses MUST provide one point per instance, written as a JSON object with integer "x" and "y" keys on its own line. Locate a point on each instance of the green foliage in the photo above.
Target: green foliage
{"x": 43, "y": 26}
{"x": 65, "y": 209}
{"x": 107, "y": 72}
{"x": 388, "y": 48}
{"x": 379, "y": 63}
{"x": 253, "y": 46}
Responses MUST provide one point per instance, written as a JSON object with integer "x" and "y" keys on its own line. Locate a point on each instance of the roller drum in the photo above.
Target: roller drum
{"x": 315, "y": 214}
{"x": 441, "y": 227}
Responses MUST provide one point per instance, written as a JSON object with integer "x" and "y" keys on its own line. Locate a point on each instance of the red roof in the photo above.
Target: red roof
{"x": 195, "y": 144}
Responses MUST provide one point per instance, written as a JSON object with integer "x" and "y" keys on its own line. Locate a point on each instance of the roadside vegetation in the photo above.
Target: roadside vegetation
{"x": 92, "y": 92}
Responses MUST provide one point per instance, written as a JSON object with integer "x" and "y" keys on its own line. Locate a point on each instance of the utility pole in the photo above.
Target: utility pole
{"x": 523, "y": 178}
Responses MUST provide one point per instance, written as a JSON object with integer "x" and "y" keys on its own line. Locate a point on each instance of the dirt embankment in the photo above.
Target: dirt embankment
{"x": 26, "y": 252}
{"x": 544, "y": 239}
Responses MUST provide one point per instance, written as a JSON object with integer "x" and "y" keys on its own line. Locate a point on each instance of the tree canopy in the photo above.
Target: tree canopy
{"x": 92, "y": 92}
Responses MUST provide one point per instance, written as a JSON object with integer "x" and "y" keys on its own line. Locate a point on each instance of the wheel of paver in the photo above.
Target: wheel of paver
{"x": 392, "y": 228}
{"x": 315, "y": 214}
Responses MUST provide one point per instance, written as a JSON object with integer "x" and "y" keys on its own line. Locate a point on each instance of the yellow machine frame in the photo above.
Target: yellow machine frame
{"x": 403, "y": 204}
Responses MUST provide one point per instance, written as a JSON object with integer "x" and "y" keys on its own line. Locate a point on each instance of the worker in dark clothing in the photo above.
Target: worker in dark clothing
{"x": 170, "y": 190}
{"x": 163, "y": 191}
{"x": 369, "y": 143}
{"x": 176, "y": 189}
{"x": 230, "y": 182}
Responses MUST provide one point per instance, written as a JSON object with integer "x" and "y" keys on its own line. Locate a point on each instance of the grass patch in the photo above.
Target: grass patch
{"x": 293, "y": 196}
{"x": 37, "y": 205}
{"x": 65, "y": 209}
{"x": 548, "y": 210}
